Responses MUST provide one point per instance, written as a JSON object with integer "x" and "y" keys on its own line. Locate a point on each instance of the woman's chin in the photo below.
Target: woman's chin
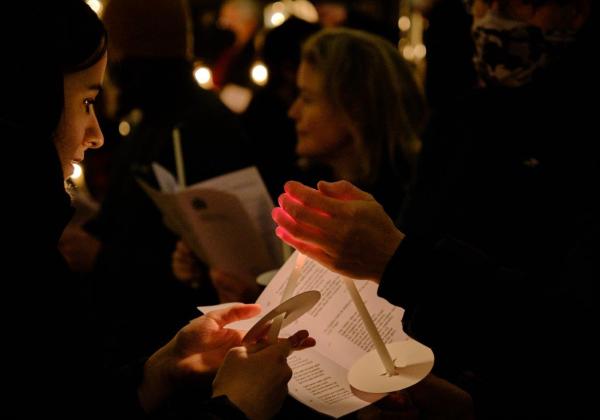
{"x": 68, "y": 171}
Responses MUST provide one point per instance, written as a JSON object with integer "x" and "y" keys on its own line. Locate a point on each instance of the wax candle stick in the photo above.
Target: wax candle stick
{"x": 178, "y": 157}
{"x": 287, "y": 293}
{"x": 383, "y": 352}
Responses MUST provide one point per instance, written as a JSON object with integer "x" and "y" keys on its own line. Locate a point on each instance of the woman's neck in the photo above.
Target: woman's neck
{"x": 347, "y": 166}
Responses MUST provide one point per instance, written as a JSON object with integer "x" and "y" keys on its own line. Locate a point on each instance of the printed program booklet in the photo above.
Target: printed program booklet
{"x": 226, "y": 220}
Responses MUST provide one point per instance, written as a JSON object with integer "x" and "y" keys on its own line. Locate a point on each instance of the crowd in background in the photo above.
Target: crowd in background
{"x": 466, "y": 192}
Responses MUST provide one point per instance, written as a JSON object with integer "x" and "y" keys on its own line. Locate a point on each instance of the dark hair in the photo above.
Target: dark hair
{"x": 40, "y": 43}
{"x": 45, "y": 41}
{"x": 81, "y": 41}
{"x": 85, "y": 38}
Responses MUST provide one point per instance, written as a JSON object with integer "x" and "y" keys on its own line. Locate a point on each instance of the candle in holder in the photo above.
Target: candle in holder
{"x": 287, "y": 293}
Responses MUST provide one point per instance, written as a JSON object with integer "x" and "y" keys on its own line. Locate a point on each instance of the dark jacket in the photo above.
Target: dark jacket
{"x": 497, "y": 266}
{"x": 51, "y": 348}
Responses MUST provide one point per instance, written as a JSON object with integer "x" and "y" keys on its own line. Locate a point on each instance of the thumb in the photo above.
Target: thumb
{"x": 301, "y": 340}
{"x": 278, "y": 351}
{"x": 343, "y": 190}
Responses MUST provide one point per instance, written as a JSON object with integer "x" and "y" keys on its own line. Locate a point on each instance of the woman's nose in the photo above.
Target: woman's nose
{"x": 94, "y": 136}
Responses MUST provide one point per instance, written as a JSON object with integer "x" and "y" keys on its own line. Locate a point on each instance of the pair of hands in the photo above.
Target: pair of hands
{"x": 254, "y": 378}
{"x": 338, "y": 225}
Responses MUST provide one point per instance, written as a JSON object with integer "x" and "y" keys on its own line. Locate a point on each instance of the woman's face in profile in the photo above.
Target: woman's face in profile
{"x": 78, "y": 128}
{"x": 320, "y": 129}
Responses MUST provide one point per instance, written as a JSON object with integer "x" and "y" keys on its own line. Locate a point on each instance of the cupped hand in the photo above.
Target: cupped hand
{"x": 340, "y": 226}
{"x": 196, "y": 350}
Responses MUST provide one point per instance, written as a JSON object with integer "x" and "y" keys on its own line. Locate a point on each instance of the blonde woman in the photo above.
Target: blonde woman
{"x": 359, "y": 112}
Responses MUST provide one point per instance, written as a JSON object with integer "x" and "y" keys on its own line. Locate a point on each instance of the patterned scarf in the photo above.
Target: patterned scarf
{"x": 511, "y": 53}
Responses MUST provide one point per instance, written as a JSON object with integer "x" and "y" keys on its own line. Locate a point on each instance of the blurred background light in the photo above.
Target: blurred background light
{"x": 96, "y": 6}
{"x": 203, "y": 76}
{"x": 259, "y": 74}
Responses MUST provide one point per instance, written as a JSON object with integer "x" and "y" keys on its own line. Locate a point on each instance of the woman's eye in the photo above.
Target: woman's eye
{"x": 89, "y": 104}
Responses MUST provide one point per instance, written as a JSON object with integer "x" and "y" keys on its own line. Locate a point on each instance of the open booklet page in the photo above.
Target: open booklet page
{"x": 319, "y": 378}
{"x": 248, "y": 186}
{"x": 225, "y": 220}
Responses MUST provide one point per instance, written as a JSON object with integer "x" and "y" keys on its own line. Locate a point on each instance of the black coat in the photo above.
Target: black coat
{"x": 51, "y": 350}
{"x": 497, "y": 266}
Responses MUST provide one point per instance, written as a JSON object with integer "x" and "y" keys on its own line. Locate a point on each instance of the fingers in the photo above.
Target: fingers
{"x": 301, "y": 340}
{"x": 326, "y": 230}
{"x": 343, "y": 190}
{"x": 279, "y": 351}
{"x": 256, "y": 347}
{"x": 299, "y": 211}
{"x": 273, "y": 352}
{"x": 312, "y": 198}
{"x": 309, "y": 249}
{"x": 298, "y": 341}
{"x": 297, "y": 338}
{"x": 259, "y": 341}
{"x": 301, "y": 235}
{"x": 315, "y": 207}
{"x": 298, "y": 229}
{"x": 234, "y": 313}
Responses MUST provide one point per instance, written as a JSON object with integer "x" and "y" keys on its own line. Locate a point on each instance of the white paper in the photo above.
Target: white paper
{"x": 320, "y": 373}
{"x": 166, "y": 182}
{"x": 226, "y": 220}
{"x": 248, "y": 186}
{"x": 321, "y": 384}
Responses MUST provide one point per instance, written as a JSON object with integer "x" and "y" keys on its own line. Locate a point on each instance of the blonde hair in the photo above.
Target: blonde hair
{"x": 373, "y": 88}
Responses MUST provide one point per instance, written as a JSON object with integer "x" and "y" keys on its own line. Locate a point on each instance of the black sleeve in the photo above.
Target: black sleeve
{"x": 222, "y": 408}
{"x": 418, "y": 267}
{"x": 123, "y": 384}
{"x": 218, "y": 408}
{"x": 480, "y": 316}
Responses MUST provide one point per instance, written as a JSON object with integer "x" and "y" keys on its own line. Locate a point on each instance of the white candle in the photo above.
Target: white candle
{"x": 382, "y": 350}
{"x": 178, "y": 157}
{"x": 287, "y": 293}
